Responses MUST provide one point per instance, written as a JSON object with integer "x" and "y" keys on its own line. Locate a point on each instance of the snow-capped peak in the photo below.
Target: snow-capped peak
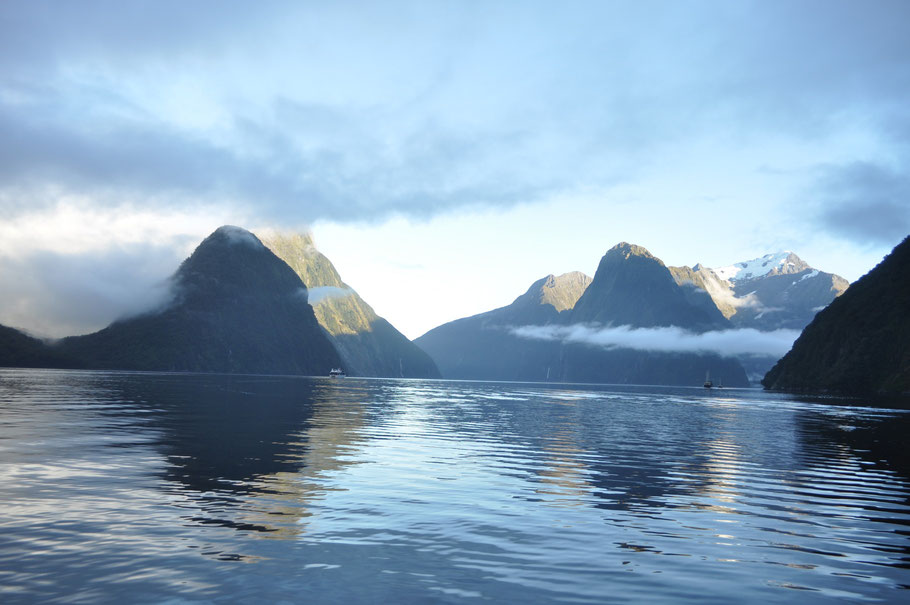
{"x": 778, "y": 262}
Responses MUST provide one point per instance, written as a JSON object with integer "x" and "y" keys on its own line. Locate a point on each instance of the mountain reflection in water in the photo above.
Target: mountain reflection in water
{"x": 249, "y": 488}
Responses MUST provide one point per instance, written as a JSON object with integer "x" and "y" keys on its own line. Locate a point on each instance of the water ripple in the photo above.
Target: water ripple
{"x": 155, "y": 487}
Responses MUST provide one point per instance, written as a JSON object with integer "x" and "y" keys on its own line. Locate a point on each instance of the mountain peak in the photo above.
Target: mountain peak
{"x": 633, "y": 287}
{"x": 627, "y": 250}
{"x": 776, "y": 263}
{"x": 233, "y": 235}
{"x": 561, "y": 292}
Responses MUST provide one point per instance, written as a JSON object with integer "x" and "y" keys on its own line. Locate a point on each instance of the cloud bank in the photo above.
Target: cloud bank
{"x": 728, "y": 343}
{"x": 53, "y": 295}
{"x": 297, "y": 111}
{"x": 865, "y": 201}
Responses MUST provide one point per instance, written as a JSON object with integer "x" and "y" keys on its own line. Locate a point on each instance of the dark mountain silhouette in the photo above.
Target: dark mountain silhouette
{"x": 860, "y": 343}
{"x": 236, "y": 308}
{"x": 368, "y": 344}
{"x": 19, "y": 350}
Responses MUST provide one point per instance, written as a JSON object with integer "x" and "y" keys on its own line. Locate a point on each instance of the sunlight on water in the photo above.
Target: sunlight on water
{"x": 197, "y": 487}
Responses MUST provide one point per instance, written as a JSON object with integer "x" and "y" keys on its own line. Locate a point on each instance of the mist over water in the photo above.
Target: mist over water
{"x": 668, "y": 339}
{"x": 149, "y": 487}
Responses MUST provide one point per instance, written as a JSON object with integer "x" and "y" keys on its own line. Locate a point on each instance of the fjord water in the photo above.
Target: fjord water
{"x": 164, "y": 487}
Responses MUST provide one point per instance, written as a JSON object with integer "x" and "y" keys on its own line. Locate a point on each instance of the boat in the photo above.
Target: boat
{"x": 337, "y": 373}
{"x": 708, "y": 383}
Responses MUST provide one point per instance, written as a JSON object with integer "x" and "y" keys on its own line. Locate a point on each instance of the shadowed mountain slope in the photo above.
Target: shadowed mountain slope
{"x": 860, "y": 343}
{"x": 19, "y": 350}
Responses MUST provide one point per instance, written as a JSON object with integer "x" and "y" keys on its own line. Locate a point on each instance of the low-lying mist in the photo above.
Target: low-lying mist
{"x": 729, "y": 343}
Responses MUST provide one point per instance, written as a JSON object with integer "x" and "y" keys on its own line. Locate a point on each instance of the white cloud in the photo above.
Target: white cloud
{"x": 670, "y": 339}
{"x": 321, "y": 293}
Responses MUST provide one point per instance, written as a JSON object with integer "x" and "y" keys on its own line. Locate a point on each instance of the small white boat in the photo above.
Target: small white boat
{"x": 337, "y": 373}
{"x": 708, "y": 383}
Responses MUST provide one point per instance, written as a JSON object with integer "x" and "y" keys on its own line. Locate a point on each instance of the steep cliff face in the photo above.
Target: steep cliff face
{"x": 860, "y": 343}
{"x": 236, "y": 308}
{"x": 368, "y": 344}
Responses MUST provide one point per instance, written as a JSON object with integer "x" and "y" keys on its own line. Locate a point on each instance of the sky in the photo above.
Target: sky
{"x": 445, "y": 155}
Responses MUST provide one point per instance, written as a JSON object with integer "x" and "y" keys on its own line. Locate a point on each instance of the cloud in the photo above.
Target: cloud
{"x": 866, "y": 202}
{"x": 62, "y": 294}
{"x": 297, "y": 111}
{"x": 670, "y": 339}
{"x": 321, "y": 293}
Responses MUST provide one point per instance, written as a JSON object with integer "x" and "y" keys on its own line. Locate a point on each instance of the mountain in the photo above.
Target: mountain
{"x": 19, "y": 350}
{"x": 368, "y": 344}
{"x": 236, "y": 308}
{"x": 781, "y": 263}
{"x": 860, "y": 343}
{"x": 776, "y": 291}
{"x": 482, "y": 347}
{"x": 631, "y": 288}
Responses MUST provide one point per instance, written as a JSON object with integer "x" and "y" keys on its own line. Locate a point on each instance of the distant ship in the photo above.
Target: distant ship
{"x": 337, "y": 373}
{"x": 708, "y": 383}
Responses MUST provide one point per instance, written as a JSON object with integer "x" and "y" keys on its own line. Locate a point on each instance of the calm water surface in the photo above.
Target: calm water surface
{"x": 161, "y": 487}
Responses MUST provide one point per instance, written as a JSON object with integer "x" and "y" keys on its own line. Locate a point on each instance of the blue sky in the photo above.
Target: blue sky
{"x": 445, "y": 154}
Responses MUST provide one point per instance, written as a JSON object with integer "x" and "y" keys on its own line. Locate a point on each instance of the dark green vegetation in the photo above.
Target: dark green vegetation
{"x": 631, "y": 288}
{"x": 367, "y": 343}
{"x": 859, "y": 344}
{"x": 237, "y": 308}
{"x": 18, "y": 350}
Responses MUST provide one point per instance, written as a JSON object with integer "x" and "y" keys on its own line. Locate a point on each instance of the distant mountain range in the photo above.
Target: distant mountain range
{"x": 776, "y": 291}
{"x": 634, "y": 291}
{"x": 630, "y": 288}
{"x": 482, "y": 347}
{"x": 860, "y": 344}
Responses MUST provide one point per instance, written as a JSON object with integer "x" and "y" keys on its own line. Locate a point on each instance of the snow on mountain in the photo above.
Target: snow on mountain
{"x": 778, "y": 262}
